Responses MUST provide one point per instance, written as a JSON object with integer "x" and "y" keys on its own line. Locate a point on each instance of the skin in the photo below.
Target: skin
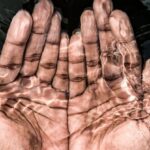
{"x": 88, "y": 92}
{"x": 34, "y": 106}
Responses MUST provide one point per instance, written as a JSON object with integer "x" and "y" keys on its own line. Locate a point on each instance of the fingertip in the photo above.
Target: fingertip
{"x": 64, "y": 42}
{"x": 87, "y": 12}
{"x": 76, "y": 48}
{"x": 76, "y": 31}
{"x": 76, "y": 38}
{"x": 42, "y": 14}
{"x": 65, "y": 37}
{"x": 63, "y": 56}
{"x": 55, "y": 29}
{"x": 58, "y": 15}
{"x": 102, "y": 10}
{"x": 20, "y": 28}
{"x": 88, "y": 27}
{"x": 121, "y": 26}
{"x": 26, "y": 16}
{"x": 76, "y": 35}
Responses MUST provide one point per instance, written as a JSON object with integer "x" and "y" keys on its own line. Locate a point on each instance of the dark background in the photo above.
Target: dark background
{"x": 139, "y": 14}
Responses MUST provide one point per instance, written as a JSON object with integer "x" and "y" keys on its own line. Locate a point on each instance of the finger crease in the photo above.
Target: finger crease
{"x": 76, "y": 62}
{"x": 63, "y": 59}
{"x": 52, "y": 42}
{"x": 92, "y": 63}
{"x": 63, "y": 76}
{"x": 11, "y": 66}
{"x": 78, "y": 79}
{"x": 34, "y": 57}
{"x": 48, "y": 65}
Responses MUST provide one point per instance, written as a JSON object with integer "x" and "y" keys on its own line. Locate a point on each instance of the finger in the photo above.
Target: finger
{"x": 102, "y": 9}
{"x": 61, "y": 79}
{"x": 90, "y": 42}
{"x": 13, "y": 49}
{"x": 48, "y": 62}
{"x": 77, "y": 72}
{"x": 41, "y": 20}
{"x": 122, "y": 30}
{"x": 110, "y": 56}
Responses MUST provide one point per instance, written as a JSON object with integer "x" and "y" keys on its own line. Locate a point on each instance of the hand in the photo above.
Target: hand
{"x": 108, "y": 102}
{"x": 33, "y": 91}
{"x": 109, "y": 93}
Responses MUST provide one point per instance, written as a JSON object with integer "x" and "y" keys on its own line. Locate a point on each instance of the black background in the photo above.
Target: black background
{"x": 71, "y": 11}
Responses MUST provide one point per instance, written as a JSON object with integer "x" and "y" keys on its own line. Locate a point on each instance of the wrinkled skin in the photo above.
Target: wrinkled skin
{"x": 88, "y": 92}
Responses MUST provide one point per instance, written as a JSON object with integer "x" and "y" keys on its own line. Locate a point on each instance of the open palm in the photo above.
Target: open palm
{"x": 108, "y": 105}
{"x": 86, "y": 93}
{"x": 34, "y": 82}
